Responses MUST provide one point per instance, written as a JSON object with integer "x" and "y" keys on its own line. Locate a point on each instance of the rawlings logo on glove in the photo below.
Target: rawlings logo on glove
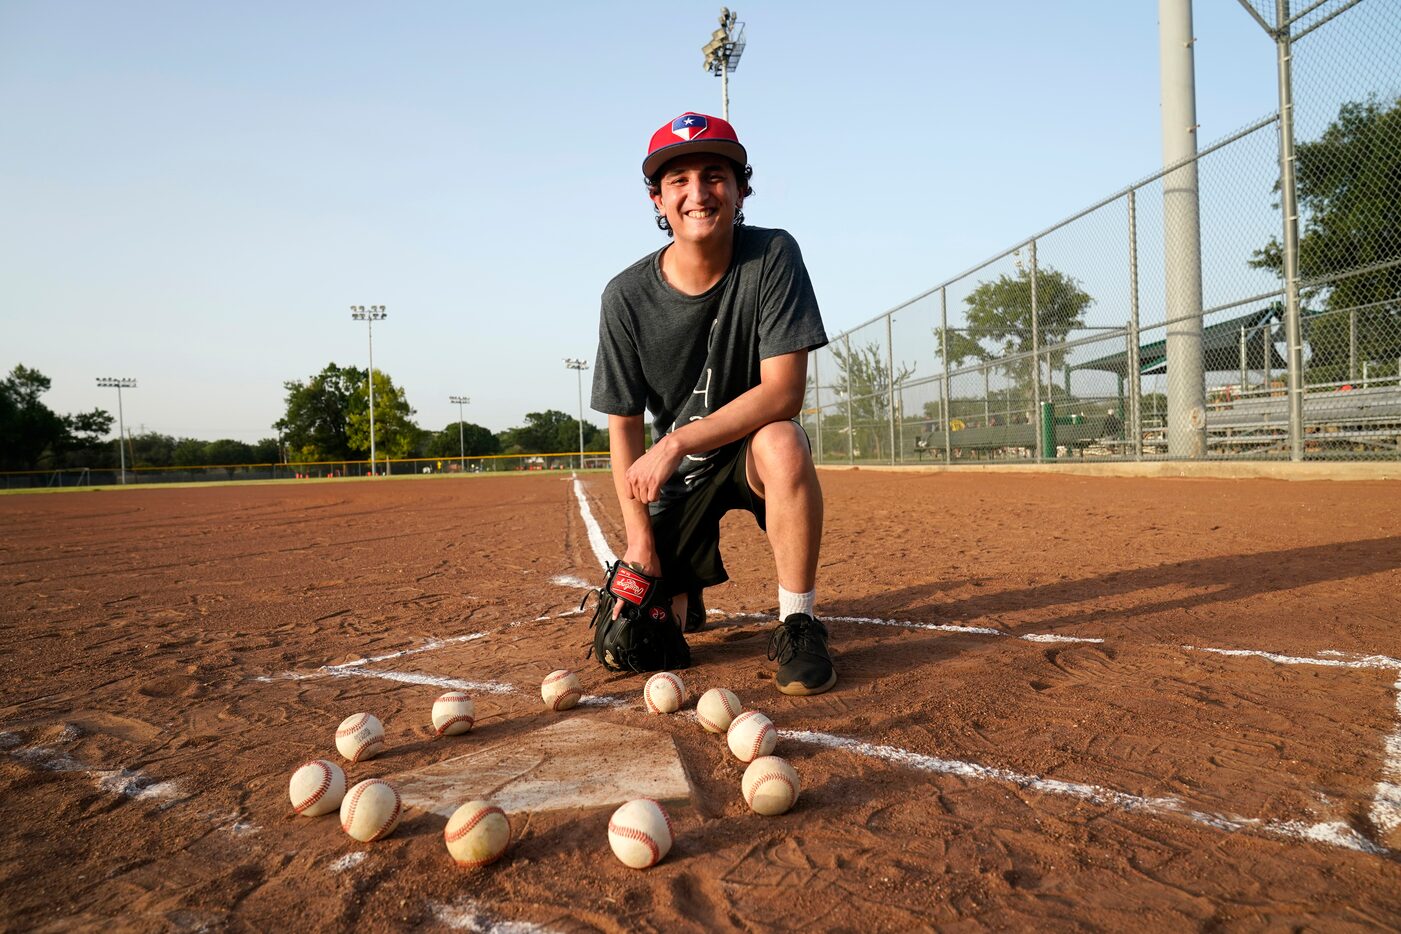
{"x": 645, "y": 636}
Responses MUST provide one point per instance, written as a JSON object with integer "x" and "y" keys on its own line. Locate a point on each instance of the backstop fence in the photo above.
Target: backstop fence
{"x": 1063, "y": 345}
{"x": 308, "y": 470}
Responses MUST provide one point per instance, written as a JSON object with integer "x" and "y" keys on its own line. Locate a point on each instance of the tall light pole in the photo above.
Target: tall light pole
{"x": 370, "y": 314}
{"x": 579, "y": 366}
{"x": 461, "y": 445}
{"x": 722, "y": 54}
{"x": 108, "y": 382}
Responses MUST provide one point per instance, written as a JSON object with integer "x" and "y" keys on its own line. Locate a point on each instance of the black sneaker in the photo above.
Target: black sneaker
{"x": 799, "y": 645}
{"x": 695, "y": 611}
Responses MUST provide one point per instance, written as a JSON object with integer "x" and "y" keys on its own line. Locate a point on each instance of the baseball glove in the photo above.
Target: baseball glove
{"x": 645, "y": 636}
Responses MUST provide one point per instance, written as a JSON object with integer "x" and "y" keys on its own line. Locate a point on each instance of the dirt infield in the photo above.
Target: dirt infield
{"x": 1037, "y": 723}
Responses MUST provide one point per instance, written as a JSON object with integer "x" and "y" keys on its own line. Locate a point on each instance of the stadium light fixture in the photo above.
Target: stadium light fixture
{"x": 579, "y": 366}
{"x": 461, "y": 444}
{"x": 722, "y": 54}
{"x": 109, "y": 382}
{"x": 370, "y": 314}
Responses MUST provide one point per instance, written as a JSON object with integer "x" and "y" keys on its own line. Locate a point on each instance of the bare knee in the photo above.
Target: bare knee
{"x": 779, "y": 457}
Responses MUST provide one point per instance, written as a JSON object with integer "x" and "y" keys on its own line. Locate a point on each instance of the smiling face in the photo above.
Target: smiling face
{"x": 699, "y": 196}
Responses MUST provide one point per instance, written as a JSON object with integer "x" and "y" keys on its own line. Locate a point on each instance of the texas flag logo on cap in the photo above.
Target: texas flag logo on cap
{"x": 689, "y": 126}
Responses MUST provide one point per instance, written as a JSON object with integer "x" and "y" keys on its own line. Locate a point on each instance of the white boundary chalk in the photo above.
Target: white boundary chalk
{"x": 597, "y": 541}
{"x": 1335, "y": 833}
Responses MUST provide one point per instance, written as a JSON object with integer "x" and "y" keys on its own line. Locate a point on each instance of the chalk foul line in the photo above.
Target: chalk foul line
{"x": 1335, "y": 833}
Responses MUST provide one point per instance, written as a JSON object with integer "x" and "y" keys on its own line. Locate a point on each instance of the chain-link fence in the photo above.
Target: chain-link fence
{"x": 1156, "y": 326}
{"x": 310, "y": 470}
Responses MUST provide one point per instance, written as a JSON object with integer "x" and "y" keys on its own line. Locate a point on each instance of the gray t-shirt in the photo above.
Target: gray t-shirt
{"x": 681, "y": 356}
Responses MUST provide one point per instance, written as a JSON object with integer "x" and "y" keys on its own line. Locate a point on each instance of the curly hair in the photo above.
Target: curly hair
{"x": 743, "y": 173}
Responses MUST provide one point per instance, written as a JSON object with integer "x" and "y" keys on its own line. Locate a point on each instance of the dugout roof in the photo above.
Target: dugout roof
{"x": 1220, "y": 348}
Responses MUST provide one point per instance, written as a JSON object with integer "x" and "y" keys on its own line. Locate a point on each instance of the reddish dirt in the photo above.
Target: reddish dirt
{"x": 147, "y": 730}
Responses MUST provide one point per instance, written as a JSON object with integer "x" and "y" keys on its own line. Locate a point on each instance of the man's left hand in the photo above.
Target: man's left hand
{"x": 647, "y": 474}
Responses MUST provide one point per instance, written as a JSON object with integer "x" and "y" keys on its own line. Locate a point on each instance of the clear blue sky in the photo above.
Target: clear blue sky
{"x": 194, "y": 193}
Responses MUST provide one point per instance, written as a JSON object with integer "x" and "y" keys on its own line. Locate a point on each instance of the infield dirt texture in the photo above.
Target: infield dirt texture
{"x": 171, "y": 655}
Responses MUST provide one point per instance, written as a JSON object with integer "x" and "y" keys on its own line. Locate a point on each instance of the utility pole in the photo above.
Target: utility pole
{"x": 722, "y": 54}
{"x": 461, "y": 445}
{"x": 579, "y": 366}
{"x": 370, "y": 314}
{"x": 108, "y": 382}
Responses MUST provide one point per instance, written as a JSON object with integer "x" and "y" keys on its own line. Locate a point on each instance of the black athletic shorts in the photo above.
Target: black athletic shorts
{"x": 687, "y": 531}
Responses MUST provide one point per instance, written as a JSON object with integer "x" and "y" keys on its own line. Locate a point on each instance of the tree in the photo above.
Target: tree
{"x": 32, "y": 434}
{"x": 395, "y": 432}
{"x": 266, "y": 451}
{"x": 476, "y": 440}
{"x": 999, "y": 322}
{"x": 550, "y": 432}
{"x": 1349, "y": 190}
{"x": 316, "y": 424}
{"x": 864, "y": 377}
{"x": 227, "y": 451}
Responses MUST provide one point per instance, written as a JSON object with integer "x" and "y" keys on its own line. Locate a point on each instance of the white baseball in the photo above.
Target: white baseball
{"x": 317, "y": 788}
{"x": 640, "y": 833}
{"x": 716, "y": 708}
{"x": 664, "y": 693}
{"x": 751, "y": 735}
{"x": 360, "y": 736}
{"x": 561, "y": 689}
{"x": 453, "y": 714}
{"x": 371, "y": 810}
{"x": 770, "y": 785}
{"x": 477, "y": 834}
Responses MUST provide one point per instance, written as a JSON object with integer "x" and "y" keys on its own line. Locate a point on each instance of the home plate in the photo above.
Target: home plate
{"x": 577, "y": 763}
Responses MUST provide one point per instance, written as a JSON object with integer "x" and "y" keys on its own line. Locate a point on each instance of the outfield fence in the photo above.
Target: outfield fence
{"x": 1066, "y": 344}
{"x": 309, "y": 470}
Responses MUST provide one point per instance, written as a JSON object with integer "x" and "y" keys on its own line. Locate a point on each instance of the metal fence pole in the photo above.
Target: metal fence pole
{"x": 944, "y": 326}
{"x": 1041, "y": 453}
{"x": 890, "y": 380}
{"x": 1244, "y": 364}
{"x": 1289, "y": 204}
{"x": 850, "y": 431}
{"x": 1131, "y": 367}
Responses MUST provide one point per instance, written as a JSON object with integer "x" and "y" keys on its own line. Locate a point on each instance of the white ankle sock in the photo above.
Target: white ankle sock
{"x": 790, "y": 603}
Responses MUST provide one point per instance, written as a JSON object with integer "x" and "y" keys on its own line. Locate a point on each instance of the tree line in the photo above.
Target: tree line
{"x": 326, "y": 418}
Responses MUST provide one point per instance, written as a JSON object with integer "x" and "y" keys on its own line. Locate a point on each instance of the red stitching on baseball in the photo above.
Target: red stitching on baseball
{"x": 393, "y": 818}
{"x": 759, "y": 740}
{"x": 566, "y": 697}
{"x": 671, "y": 835}
{"x": 557, "y": 675}
{"x": 316, "y": 796}
{"x": 360, "y": 721}
{"x": 356, "y": 792}
{"x": 754, "y": 788}
{"x": 641, "y": 836}
{"x": 458, "y": 719}
{"x": 713, "y": 727}
{"x": 726, "y": 695}
{"x": 364, "y": 746}
{"x": 477, "y": 818}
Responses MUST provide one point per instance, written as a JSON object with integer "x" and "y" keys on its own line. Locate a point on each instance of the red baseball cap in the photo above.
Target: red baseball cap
{"x": 692, "y": 132}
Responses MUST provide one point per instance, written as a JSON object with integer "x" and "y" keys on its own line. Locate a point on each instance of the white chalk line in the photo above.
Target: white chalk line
{"x": 1335, "y": 833}
{"x": 348, "y": 861}
{"x": 601, "y": 550}
{"x": 125, "y": 783}
{"x": 1386, "y": 801}
{"x": 466, "y": 914}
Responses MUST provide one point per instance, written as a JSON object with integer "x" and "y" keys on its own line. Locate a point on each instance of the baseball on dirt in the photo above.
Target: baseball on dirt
{"x": 453, "y": 714}
{"x": 477, "y": 834}
{"x": 770, "y": 786}
{"x": 317, "y": 788}
{"x": 664, "y": 693}
{"x": 640, "y": 833}
{"x": 371, "y": 810}
{"x": 360, "y": 736}
{"x": 561, "y": 689}
{"x": 716, "y": 708}
{"x": 751, "y": 735}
